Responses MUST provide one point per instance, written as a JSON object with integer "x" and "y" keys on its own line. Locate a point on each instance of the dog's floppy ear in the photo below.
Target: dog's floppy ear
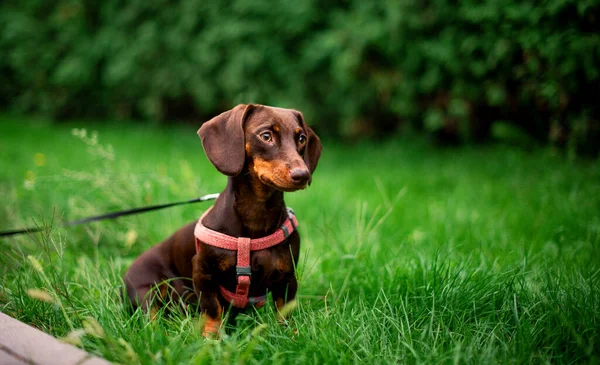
{"x": 312, "y": 153}
{"x": 223, "y": 139}
{"x": 313, "y": 150}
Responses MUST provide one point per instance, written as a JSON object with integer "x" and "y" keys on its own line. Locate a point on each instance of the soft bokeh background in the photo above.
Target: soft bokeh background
{"x": 454, "y": 217}
{"x": 461, "y": 71}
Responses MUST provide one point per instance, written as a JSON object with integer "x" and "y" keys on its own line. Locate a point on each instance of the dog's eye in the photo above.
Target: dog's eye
{"x": 266, "y": 136}
{"x": 302, "y": 139}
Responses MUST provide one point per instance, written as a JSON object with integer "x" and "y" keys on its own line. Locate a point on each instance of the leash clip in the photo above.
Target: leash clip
{"x": 290, "y": 212}
{"x": 291, "y": 215}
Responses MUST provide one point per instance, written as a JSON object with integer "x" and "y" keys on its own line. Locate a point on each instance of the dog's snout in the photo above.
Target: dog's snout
{"x": 300, "y": 176}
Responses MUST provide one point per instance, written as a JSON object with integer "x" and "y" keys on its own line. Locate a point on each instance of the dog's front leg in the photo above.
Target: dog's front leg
{"x": 284, "y": 292}
{"x": 207, "y": 290}
{"x": 211, "y": 313}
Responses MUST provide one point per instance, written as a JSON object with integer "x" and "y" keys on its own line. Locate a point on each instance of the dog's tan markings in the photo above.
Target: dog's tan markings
{"x": 226, "y": 262}
{"x": 262, "y": 168}
{"x": 260, "y": 173}
{"x": 163, "y": 291}
{"x": 276, "y": 128}
{"x": 298, "y": 130}
{"x": 279, "y": 303}
{"x": 284, "y": 266}
{"x": 248, "y": 152}
{"x": 153, "y": 313}
{"x": 212, "y": 325}
{"x": 271, "y": 172}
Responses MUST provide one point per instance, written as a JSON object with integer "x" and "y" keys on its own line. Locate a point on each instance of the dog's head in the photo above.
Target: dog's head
{"x": 274, "y": 144}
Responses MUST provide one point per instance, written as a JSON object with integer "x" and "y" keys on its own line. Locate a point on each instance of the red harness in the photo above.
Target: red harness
{"x": 243, "y": 246}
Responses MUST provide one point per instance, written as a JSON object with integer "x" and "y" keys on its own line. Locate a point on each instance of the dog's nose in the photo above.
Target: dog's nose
{"x": 300, "y": 176}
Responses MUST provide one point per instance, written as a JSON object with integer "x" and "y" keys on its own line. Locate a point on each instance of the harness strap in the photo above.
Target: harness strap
{"x": 243, "y": 246}
{"x": 243, "y": 272}
{"x": 227, "y": 242}
{"x": 237, "y": 301}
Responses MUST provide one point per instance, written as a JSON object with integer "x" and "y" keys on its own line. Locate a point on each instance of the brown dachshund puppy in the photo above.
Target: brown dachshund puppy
{"x": 264, "y": 151}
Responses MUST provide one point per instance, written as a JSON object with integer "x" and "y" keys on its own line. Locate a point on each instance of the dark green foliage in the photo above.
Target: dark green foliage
{"x": 354, "y": 67}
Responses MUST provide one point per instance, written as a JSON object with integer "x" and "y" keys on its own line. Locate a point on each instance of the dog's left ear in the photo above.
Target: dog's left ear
{"x": 223, "y": 139}
{"x": 312, "y": 153}
{"x": 313, "y": 150}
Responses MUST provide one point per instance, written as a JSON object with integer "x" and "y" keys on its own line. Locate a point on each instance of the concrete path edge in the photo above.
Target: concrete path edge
{"x": 22, "y": 344}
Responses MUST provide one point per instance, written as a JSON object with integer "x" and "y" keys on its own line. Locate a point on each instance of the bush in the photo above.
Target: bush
{"x": 451, "y": 69}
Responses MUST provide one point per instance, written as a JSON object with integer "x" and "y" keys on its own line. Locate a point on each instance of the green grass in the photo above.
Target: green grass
{"x": 410, "y": 254}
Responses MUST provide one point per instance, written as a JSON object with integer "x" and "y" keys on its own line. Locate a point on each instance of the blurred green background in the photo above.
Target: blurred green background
{"x": 459, "y": 71}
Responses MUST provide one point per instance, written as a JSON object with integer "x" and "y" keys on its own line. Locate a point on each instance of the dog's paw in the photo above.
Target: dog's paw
{"x": 211, "y": 328}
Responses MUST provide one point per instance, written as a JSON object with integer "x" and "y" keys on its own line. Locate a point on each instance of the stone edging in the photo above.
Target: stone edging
{"x": 22, "y": 344}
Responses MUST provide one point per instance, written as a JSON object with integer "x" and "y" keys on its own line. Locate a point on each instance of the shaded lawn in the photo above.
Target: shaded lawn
{"x": 409, "y": 254}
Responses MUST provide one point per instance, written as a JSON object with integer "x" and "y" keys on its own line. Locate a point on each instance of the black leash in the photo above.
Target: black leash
{"x": 112, "y": 215}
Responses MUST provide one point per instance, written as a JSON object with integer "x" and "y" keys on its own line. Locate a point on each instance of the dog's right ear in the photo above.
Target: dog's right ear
{"x": 223, "y": 139}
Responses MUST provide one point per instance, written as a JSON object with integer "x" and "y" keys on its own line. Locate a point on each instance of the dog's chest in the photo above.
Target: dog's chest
{"x": 271, "y": 263}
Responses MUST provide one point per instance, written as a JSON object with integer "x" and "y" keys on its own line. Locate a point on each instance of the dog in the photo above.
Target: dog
{"x": 247, "y": 243}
